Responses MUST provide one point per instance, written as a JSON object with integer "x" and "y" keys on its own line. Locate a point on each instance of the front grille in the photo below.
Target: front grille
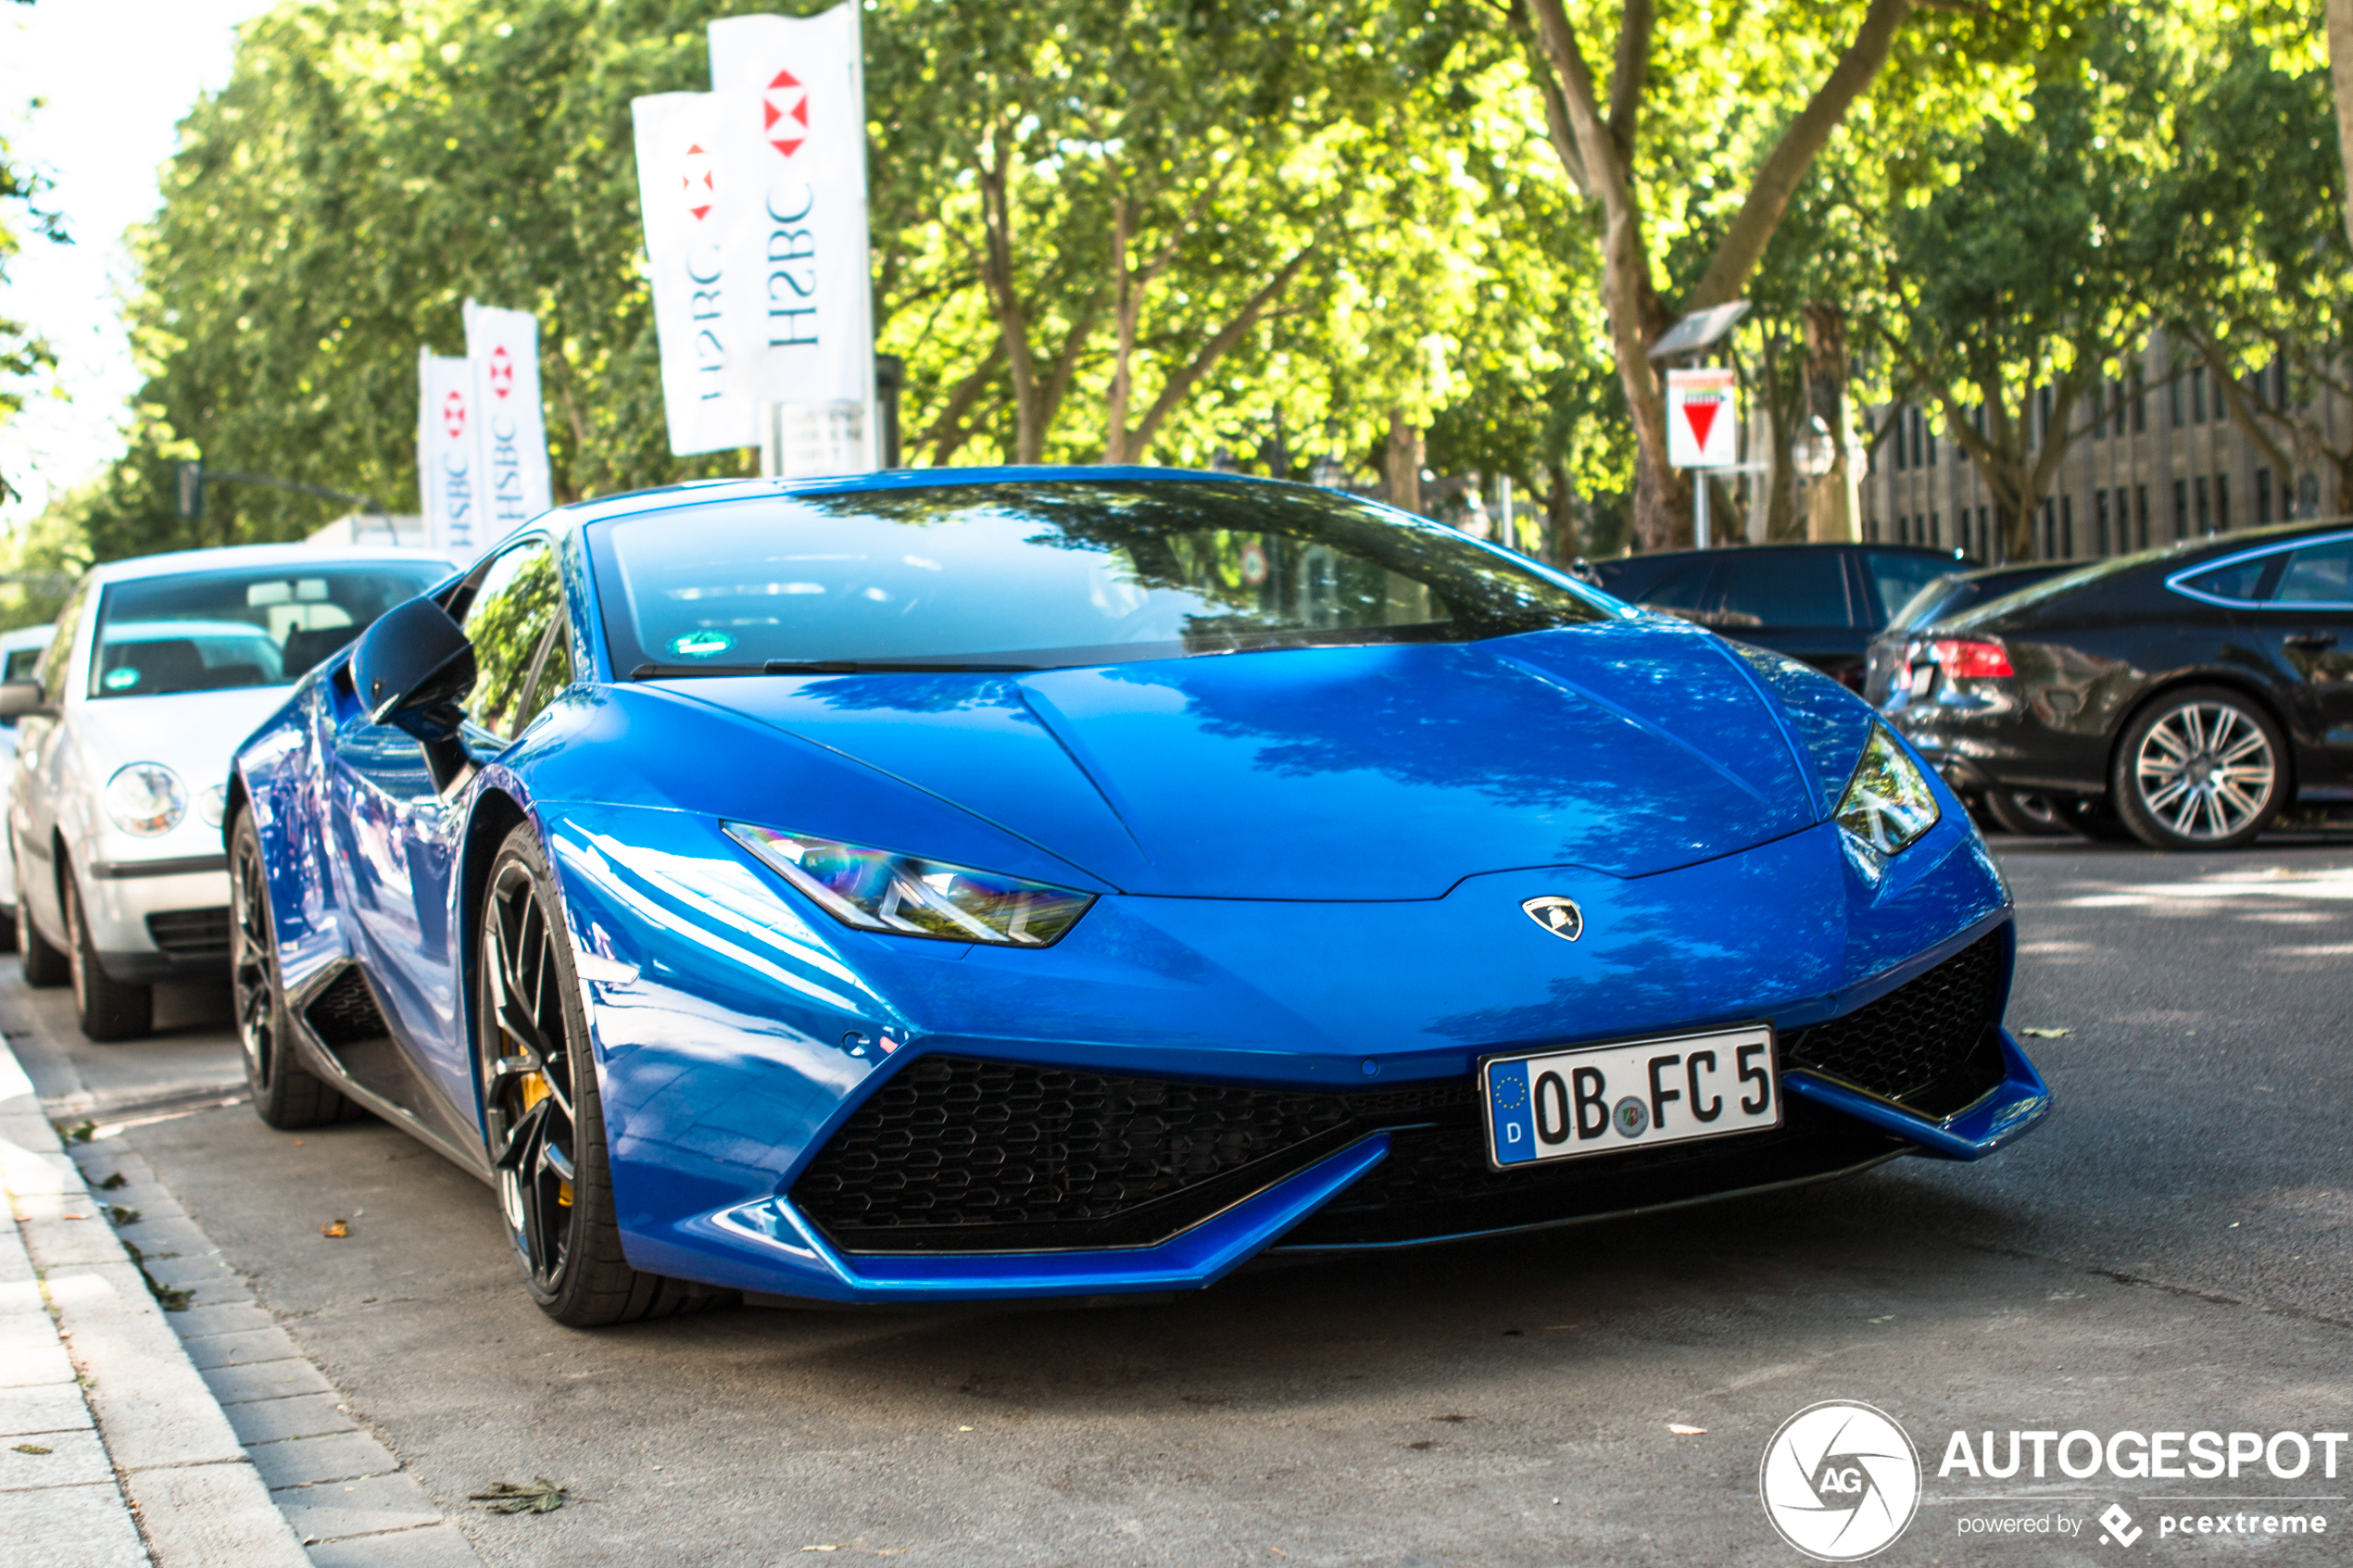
{"x": 344, "y": 1013}
{"x": 191, "y": 933}
{"x": 960, "y": 1155}
{"x": 1048, "y": 1157}
{"x": 1924, "y": 1042}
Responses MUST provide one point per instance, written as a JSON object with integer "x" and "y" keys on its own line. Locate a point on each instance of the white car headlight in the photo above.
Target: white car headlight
{"x": 1888, "y": 803}
{"x": 147, "y": 798}
{"x": 213, "y": 805}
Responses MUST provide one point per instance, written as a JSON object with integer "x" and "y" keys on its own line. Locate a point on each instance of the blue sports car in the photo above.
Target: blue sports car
{"x": 1016, "y": 882}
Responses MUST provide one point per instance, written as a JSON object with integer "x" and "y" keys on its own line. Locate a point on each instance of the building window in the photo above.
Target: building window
{"x": 2181, "y": 508}
{"x": 2067, "y": 527}
{"x": 2141, "y": 517}
{"x": 2043, "y": 421}
{"x": 2173, "y": 391}
{"x": 1928, "y": 432}
{"x": 1935, "y": 530}
{"x": 2262, "y": 496}
{"x": 2118, "y": 393}
{"x": 2099, "y": 409}
{"x": 1984, "y": 540}
{"x": 2049, "y": 529}
{"x": 2197, "y": 394}
{"x": 2279, "y": 383}
{"x": 2221, "y": 503}
{"x": 2205, "y": 507}
{"x": 1899, "y": 440}
{"x": 2140, "y": 403}
{"x": 2099, "y": 524}
{"x": 1914, "y": 422}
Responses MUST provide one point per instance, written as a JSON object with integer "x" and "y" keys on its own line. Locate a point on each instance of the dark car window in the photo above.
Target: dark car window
{"x": 1784, "y": 588}
{"x": 1899, "y": 576}
{"x": 259, "y": 626}
{"x": 1030, "y": 574}
{"x": 1943, "y": 594}
{"x": 1682, "y": 589}
{"x": 513, "y": 607}
{"x": 2320, "y": 575}
{"x": 2241, "y": 581}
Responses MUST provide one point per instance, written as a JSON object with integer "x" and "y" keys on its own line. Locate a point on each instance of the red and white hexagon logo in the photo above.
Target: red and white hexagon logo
{"x": 784, "y": 111}
{"x": 698, "y": 182}
{"x": 453, "y": 413}
{"x": 502, "y": 372}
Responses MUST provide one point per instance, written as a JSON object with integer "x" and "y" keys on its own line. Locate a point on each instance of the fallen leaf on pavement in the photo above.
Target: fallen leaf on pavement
{"x": 115, "y": 1181}
{"x": 335, "y": 1230}
{"x": 83, "y": 1131}
{"x": 2047, "y": 1034}
{"x": 1425, "y": 1443}
{"x": 30, "y": 1449}
{"x": 120, "y": 1215}
{"x": 1682, "y": 1431}
{"x": 1450, "y": 1417}
{"x": 542, "y": 1496}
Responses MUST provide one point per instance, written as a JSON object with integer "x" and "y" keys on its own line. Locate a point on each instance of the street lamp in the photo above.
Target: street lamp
{"x": 1816, "y": 451}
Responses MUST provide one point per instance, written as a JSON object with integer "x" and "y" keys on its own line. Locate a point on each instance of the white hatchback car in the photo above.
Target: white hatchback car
{"x": 19, "y": 656}
{"x": 159, "y": 667}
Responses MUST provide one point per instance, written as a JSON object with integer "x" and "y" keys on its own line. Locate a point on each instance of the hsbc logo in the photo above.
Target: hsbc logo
{"x": 698, "y": 182}
{"x": 784, "y": 111}
{"x": 453, "y": 415}
{"x": 501, "y": 373}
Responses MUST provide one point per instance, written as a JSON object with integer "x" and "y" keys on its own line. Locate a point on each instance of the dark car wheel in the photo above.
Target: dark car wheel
{"x": 2094, "y": 818}
{"x": 44, "y": 965}
{"x": 2027, "y": 811}
{"x": 286, "y": 1093}
{"x": 2200, "y": 768}
{"x": 107, "y": 1009}
{"x": 542, "y": 1115}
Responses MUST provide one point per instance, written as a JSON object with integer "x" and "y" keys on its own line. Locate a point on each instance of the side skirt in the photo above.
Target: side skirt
{"x": 322, "y": 1060}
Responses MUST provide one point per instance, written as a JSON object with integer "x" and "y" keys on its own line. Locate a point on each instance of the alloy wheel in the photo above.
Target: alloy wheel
{"x": 252, "y": 961}
{"x": 528, "y": 1093}
{"x": 2205, "y": 771}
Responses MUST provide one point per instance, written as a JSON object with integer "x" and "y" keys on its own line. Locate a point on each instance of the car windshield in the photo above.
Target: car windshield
{"x": 210, "y": 631}
{"x": 1921, "y": 608}
{"x": 1031, "y": 574}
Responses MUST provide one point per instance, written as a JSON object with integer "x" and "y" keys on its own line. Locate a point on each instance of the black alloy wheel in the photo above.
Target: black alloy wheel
{"x": 2205, "y": 768}
{"x": 107, "y": 1008}
{"x": 286, "y": 1093}
{"x": 44, "y": 965}
{"x": 542, "y": 1116}
{"x": 2030, "y": 812}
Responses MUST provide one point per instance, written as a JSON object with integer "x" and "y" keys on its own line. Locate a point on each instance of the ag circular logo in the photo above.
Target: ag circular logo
{"x": 1840, "y": 1481}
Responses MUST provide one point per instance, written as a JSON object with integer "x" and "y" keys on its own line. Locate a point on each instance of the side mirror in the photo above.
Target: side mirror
{"x": 412, "y": 669}
{"x": 18, "y": 698}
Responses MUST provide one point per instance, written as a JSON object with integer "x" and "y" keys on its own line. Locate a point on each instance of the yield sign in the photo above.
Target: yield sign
{"x": 1702, "y": 418}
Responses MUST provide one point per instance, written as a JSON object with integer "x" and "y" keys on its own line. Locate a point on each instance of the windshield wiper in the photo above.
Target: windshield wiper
{"x": 680, "y": 671}
{"x": 889, "y": 667}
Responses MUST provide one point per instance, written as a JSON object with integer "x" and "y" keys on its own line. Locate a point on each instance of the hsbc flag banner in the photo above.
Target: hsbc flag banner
{"x": 447, "y": 458}
{"x": 510, "y": 432}
{"x": 698, "y": 192}
{"x": 1701, "y": 418}
{"x": 814, "y": 355}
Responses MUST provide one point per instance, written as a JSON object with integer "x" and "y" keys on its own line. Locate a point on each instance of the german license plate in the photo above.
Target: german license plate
{"x": 1603, "y": 1099}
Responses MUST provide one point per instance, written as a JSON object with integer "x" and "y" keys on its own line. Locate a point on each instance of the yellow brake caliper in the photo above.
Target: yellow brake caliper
{"x": 533, "y": 1088}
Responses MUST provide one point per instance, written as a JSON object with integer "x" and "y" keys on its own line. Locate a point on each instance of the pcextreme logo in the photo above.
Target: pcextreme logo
{"x": 1840, "y": 1481}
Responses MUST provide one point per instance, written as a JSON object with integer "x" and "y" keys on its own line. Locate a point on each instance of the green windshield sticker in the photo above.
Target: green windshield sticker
{"x": 120, "y": 677}
{"x": 701, "y": 645}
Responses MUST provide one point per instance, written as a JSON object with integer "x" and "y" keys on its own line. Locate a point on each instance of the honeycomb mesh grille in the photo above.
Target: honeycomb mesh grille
{"x": 345, "y": 1012}
{"x": 1919, "y": 1036}
{"x": 191, "y": 933}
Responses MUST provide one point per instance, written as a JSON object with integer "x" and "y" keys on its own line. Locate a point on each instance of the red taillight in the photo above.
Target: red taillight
{"x": 1964, "y": 661}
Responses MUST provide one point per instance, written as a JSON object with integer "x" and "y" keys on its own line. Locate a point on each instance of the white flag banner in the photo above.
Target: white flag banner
{"x": 804, "y": 126}
{"x": 448, "y": 455}
{"x": 695, "y": 189}
{"x": 503, "y": 347}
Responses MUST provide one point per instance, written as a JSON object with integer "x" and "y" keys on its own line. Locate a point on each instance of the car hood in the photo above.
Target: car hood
{"x": 1366, "y": 772}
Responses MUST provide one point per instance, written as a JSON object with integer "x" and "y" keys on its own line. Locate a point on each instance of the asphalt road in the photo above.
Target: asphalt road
{"x": 2170, "y": 1251}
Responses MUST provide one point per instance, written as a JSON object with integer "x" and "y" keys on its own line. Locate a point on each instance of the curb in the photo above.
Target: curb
{"x": 185, "y": 1482}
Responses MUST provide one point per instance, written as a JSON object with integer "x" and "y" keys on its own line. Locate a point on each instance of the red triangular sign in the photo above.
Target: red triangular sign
{"x": 1701, "y": 418}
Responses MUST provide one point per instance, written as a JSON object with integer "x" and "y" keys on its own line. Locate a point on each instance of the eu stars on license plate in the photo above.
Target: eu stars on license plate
{"x": 1600, "y": 1099}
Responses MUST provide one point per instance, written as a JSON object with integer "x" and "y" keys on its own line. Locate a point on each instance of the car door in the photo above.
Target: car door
{"x": 2305, "y": 622}
{"x": 1795, "y": 601}
{"x": 398, "y": 828}
{"x": 43, "y": 759}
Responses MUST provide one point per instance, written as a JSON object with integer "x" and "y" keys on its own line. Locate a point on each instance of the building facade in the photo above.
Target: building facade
{"x": 2162, "y": 460}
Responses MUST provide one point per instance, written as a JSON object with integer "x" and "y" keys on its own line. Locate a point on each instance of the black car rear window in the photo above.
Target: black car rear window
{"x": 1784, "y": 588}
{"x": 1047, "y": 573}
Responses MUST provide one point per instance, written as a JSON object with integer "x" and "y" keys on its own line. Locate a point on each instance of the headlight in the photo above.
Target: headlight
{"x": 875, "y": 890}
{"x": 213, "y": 805}
{"x": 1888, "y": 804}
{"x": 147, "y": 798}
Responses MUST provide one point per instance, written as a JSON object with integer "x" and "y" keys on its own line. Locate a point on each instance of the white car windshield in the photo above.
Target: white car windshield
{"x": 212, "y": 631}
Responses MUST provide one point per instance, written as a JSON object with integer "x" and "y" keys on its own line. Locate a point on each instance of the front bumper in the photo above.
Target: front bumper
{"x": 740, "y": 1037}
{"x": 160, "y": 920}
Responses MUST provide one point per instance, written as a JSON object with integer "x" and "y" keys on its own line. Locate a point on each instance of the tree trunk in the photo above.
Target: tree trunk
{"x": 1832, "y": 502}
{"x": 1404, "y": 466}
{"x": 1562, "y": 545}
{"x": 2340, "y": 31}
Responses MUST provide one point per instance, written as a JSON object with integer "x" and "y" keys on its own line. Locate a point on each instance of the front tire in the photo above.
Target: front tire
{"x": 286, "y": 1094}
{"x": 45, "y": 966}
{"x": 2028, "y": 813}
{"x": 542, "y": 1115}
{"x": 2205, "y": 768}
{"x": 108, "y": 1010}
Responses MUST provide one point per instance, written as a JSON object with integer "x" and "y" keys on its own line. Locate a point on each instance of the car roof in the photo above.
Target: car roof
{"x": 28, "y": 637}
{"x": 1733, "y": 552}
{"x": 229, "y": 557}
{"x": 701, "y": 491}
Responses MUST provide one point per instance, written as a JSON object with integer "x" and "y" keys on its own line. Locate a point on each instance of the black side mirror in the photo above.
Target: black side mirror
{"x": 18, "y": 698}
{"x": 412, "y": 669}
